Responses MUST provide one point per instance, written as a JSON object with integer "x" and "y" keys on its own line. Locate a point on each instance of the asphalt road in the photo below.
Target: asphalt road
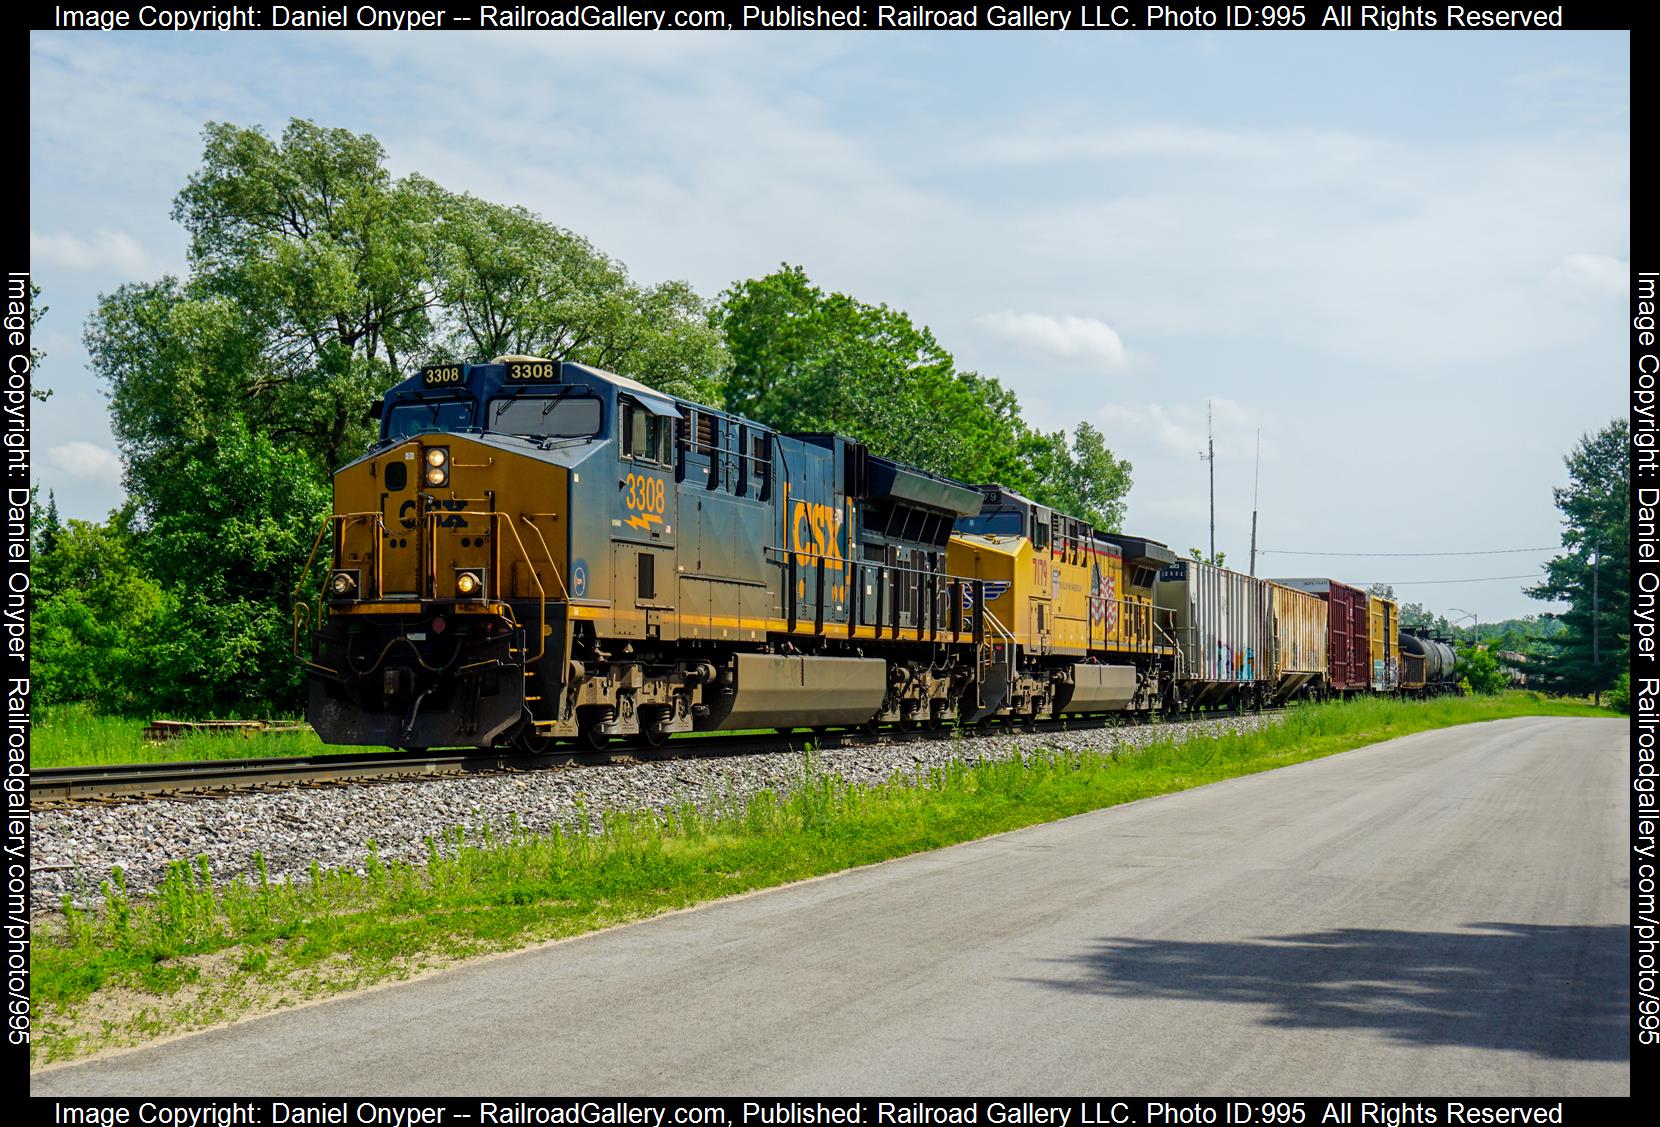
{"x": 1442, "y": 914}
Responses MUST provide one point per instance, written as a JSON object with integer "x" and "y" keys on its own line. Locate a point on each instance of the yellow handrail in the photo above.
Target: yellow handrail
{"x": 302, "y": 609}
{"x": 541, "y": 592}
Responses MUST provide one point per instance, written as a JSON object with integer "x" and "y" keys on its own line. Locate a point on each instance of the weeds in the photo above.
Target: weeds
{"x": 75, "y": 736}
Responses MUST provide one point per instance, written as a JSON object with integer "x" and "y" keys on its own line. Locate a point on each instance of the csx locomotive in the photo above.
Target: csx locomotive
{"x": 538, "y": 550}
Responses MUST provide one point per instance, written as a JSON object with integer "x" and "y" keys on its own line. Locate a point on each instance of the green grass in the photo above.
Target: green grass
{"x": 199, "y": 951}
{"x": 75, "y": 736}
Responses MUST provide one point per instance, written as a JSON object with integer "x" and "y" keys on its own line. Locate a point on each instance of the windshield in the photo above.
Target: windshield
{"x": 541, "y": 416}
{"x": 428, "y": 416}
{"x": 997, "y": 524}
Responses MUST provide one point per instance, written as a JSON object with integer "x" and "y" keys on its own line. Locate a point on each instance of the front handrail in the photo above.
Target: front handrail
{"x": 1007, "y": 640}
{"x": 302, "y": 609}
{"x": 495, "y": 517}
{"x": 304, "y": 612}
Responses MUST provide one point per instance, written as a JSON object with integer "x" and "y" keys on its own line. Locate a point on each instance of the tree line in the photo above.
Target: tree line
{"x": 1583, "y": 650}
{"x": 315, "y": 281}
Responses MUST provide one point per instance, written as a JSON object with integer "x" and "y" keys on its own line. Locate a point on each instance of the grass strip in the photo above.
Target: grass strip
{"x": 76, "y": 736}
{"x": 199, "y": 951}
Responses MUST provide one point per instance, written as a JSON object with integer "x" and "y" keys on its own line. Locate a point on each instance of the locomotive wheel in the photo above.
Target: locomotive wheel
{"x": 935, "y": 720}
{"x": 533, "y": 742}
{"x": 592, "y": 737}
{"x": 653, "y": 737}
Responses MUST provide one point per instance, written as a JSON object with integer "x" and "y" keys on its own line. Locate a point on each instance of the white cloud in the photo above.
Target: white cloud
{"x": 85, "y": 460}
{"x": 1068, "y": 337}
{"x": 1180, "y": 431}
{"x": 114, "y": 251}
{"x": 1599, "y": 273}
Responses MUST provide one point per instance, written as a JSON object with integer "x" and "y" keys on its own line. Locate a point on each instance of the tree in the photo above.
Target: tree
{"x": 36, "y": 355}
{"x": 229, "y": 536}
{"x": 45, "y": 526}
{"x": 1381, "y": 590}
{"x": 316, "y": 281}
{"x": 1593, "y": 574}
{"x": 511, "y": 283}
{"x": 96, "y": 618}
{"x": 1480, "y": 670}
{"x": 806, "y": 360}
{"x": 328, "y": 259}
{"x": 1085, "y": 480}
{"x": 1220, "y": 559}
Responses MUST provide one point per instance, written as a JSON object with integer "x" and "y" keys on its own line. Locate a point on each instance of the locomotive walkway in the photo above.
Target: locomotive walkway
{"x": 1441, "y": 914}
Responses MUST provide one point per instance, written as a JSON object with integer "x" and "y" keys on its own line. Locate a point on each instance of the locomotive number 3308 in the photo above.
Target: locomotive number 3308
{"x": 645, "y": 499}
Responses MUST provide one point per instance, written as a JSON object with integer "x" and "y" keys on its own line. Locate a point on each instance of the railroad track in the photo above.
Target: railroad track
{"x": 57, "y": 786}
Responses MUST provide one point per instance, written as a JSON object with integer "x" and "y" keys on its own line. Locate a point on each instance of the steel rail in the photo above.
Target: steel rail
{"x": 205, "y": 778}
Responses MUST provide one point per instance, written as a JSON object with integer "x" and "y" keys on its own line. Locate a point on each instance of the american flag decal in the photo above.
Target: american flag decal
{"x": 1103, "y": 595}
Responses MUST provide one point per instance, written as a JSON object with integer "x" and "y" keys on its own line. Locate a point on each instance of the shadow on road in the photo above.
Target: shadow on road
{"x": 1554, "y": 991}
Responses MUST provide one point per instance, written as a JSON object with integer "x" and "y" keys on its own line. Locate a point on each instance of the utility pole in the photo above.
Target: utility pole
{"x": 1596, "y": 631}
{"x": 1210, "y": 442}
{"x": 1256, "y": 481}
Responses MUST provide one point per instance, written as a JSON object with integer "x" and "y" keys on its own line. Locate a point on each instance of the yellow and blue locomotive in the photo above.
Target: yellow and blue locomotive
{"x": 537, "y": 550}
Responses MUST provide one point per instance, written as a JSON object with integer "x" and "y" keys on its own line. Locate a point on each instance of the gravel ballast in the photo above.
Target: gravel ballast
{"x": 74, "y": 848}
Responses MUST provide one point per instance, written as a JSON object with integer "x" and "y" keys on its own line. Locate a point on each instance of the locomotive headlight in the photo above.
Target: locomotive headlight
{"x": 342, "y": 584}
{"x": 438, "y": 466}
{"x": 469, "y": 584}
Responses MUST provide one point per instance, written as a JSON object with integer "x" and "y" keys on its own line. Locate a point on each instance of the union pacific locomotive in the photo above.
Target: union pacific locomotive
{"x": 539, "y": 550}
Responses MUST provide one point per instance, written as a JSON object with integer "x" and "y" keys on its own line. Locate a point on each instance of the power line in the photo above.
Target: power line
{"x": 1487, "y": 552}
{"x": 1420, "y": 582}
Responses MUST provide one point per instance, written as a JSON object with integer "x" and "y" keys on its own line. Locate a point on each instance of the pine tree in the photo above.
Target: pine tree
{"x": 1593, "y": 575}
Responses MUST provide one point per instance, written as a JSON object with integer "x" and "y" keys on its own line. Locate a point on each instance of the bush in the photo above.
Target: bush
{"x": 1619, "y": 697}
{"x": 1481, "y": 670}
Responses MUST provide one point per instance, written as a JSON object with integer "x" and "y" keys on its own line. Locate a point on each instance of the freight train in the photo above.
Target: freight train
{"x": 538, "y": 551}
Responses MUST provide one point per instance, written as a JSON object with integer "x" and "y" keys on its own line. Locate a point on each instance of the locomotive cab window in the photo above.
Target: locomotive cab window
{"x": 645, "y": 434}
{"x": 1003, "y": 523}
{"x": 428, "y": 416}
{"x": 544, "y": 416}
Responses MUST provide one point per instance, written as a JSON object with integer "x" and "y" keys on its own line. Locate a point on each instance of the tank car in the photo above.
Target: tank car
{"x": 1426, "y": 665}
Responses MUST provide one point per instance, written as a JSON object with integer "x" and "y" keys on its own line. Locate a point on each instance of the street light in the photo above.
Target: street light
{"x": 1476, "y": 626}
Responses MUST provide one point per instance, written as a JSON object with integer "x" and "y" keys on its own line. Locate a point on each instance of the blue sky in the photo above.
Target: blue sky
{"x": 1403, "y": 257}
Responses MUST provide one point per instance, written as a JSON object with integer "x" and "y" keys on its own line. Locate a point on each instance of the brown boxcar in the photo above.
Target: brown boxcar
{"x": 1348, "y": 640}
